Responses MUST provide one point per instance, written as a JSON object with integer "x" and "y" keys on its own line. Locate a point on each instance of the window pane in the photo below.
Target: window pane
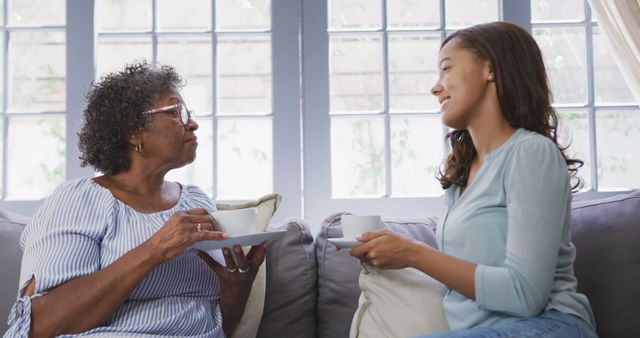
{"x": 45, "y": 160}
{"x": 463, "y": 13}
{"x": 200, "y": 171}
{"x": 355, "y": 14}
{"x": 181, "y": 15}
{"x": 244, "y": 74}
{"x": 610, "y": 87}
{"x": 417, "y": 148}
{"x": 192, "y": 58}
{"x": 356, "y": 73}
{"x": 413, "y": 71}
{"x": 413, "y": 14}
{"x": 37, "y": 62}
{"x": 243, "y": 14}
{"x": 573, "y": 131}
{"x": 564, "y": 55}
{"x": 565, "y": 10}
{"x": 357, "y": 156}
{"x": 618, "y": 134}
{"x": 37, "y": 12}
{"x": 116, "y": 51}
{"x": 119, "y": 15}
{"x": 245, "y": 158}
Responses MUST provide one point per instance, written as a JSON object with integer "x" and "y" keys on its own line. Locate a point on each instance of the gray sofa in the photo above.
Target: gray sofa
{"x": 312, "y": 289}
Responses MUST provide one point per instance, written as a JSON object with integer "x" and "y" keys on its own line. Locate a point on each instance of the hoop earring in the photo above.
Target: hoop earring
{"x": 139, "y": 148}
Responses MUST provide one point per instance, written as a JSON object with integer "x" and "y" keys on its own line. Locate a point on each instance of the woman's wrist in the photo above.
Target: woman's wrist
{"x": 232, "y": 307}
{"x": 419, "y": 254}
{"x": 147, "y": 255}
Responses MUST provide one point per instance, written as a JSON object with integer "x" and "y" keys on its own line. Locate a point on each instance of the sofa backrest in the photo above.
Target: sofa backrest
{"x": 11, "y": 226}
{"x": 606, "y": 234}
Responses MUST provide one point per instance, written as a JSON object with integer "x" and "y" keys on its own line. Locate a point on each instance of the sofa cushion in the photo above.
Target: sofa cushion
{"x": 265, "y": 207}
{"x": 291, "y": 295}
{"x": 338, "y": 272}
{"x": 606, "y": 234}
{"x": 384, "y": 291}
{"x": 11, "y": 226}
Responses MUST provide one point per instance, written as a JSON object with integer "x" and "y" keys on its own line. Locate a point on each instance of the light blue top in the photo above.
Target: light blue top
{"x": 82, "y": 228}
{"x": 513, "y": 222}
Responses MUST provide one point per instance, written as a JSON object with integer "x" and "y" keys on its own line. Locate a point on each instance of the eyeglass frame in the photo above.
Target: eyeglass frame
{"x": 170, "y": 107}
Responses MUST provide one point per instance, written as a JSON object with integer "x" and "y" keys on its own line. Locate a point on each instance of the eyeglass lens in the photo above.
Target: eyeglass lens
{"x": 184, "y": 114}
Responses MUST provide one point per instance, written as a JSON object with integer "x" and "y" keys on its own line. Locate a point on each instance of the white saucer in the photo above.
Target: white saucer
{"x": 242, "y": 240}
{"x": 344, "y": 243}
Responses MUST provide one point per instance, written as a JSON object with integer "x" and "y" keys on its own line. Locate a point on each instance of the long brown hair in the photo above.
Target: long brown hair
{"x": 522, "y": 87}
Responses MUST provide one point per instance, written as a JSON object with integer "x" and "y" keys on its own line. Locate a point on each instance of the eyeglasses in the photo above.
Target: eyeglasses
{"x": 181, "y": 110}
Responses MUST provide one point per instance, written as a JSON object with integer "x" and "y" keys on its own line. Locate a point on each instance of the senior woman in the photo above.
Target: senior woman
{"x": 110, "y": 255}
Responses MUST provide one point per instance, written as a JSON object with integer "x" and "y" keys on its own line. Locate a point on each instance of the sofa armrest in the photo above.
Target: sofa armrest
{"x": 11, "y": 226}
{"x": 606, "y": 233}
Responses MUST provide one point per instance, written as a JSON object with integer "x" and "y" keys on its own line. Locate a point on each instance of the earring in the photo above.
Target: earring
{"x": 139, "y": 148}
{"x": 490, "y": 77}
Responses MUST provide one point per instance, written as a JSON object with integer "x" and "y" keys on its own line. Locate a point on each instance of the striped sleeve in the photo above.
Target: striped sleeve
{"x": 196, "y": 198}
{"x": 61, "y": 243}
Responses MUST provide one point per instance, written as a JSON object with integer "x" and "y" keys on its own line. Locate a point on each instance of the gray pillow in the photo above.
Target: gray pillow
{"x": 11, "y": 226}
{"x": 338, "y": 272}
{"x": 606, "y": 234}
{"x": 291, "y": 291}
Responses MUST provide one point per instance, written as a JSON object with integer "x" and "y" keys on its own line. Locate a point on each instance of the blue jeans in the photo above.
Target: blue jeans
{"x": 548, "y": 324}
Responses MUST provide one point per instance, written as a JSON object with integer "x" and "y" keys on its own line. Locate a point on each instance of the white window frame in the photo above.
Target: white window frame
{"x": 590, "y": 106}
{"x": 301, "y": 123}
{"x": 19, "y": 206}
{"x": 81, "y": 42}
{"x": 318, "y": 202}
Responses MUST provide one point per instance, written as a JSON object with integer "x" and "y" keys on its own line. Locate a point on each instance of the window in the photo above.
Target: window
{"x": 325, "y": 101}
{"x": 599, "y": 115}
{"x": 230, "y": 93}
{"x": 381, "y": 127}
{"x": 239, "y": 60}
{"x": 33, "y": 101}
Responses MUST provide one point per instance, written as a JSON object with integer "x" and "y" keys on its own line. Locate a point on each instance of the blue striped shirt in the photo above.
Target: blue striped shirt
{"x": 82, "y": 228}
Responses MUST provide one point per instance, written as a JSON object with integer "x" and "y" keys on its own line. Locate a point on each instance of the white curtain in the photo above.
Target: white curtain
{"x": 620, "y": 22}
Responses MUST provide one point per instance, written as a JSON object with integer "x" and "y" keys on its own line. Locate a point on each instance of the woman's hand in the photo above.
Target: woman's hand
{"x": 182, "y": 230}
{"x": 235, "y": 280}
{"x": 237, "y": 277}
{"x": 386, "y": 250}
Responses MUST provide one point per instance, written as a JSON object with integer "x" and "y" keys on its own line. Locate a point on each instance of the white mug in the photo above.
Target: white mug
{"x": 237, "y": 222}
{"x": 354, "y": 225}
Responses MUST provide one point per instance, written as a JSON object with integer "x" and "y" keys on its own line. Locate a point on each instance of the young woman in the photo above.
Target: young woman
{"x": 504, "y": 247}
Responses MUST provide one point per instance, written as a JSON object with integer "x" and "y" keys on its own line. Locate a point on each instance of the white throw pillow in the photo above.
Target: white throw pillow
{"x": 266, "y": 206}
{"x": 398, "y": 303}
